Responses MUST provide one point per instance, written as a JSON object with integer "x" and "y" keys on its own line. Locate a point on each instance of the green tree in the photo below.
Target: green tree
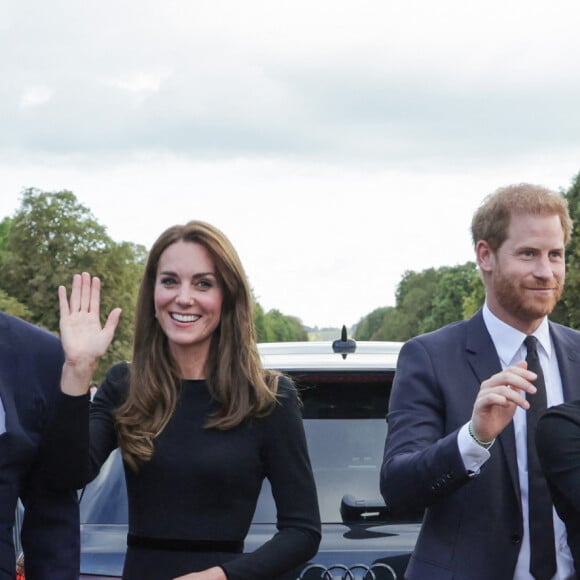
{"x": 393, "y": 326}
{"x": 260, "y": 323}
{"x": 4, "y": 231}
{"x": 367, "y": 326}
{"x": 567, "y": 311}
{"x": 453, "y": 286}
{"x": 279, "y": 328}
{"x": 476, "y": 297}
{"x": 298, "y": 332}
{"x": 11, "y": 306}
{"x": 414, "y": 298}
{"x": 425, "y": 301}
{"x": 51, "y": 237}
{"x": 274, "y": 326}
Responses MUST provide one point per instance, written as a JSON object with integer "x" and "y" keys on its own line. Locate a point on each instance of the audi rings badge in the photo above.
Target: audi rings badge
{"x": 378, "y": 571}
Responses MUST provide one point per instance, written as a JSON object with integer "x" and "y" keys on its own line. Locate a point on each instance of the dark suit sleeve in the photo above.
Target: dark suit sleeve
{"x": 422, "y": 462}
{"x": 50, "y": 532}
{"x": 558, "y": 444}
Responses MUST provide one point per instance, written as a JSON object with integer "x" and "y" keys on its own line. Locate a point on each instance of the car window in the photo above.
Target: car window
{"x": 346, "y": 456}
{"x": 104, "y": 500}
{"x": 344, "y": 395}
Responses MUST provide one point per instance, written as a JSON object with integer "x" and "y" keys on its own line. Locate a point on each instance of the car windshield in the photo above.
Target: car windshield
{"x": 344, "y": 419}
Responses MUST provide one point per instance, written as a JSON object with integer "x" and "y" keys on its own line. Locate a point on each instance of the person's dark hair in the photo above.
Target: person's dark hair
{"x": 235, "y": 375}
{"x": 491, "y": 221}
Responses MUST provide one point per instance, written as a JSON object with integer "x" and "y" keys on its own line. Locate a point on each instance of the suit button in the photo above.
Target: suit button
{"x": 516, "y": 539}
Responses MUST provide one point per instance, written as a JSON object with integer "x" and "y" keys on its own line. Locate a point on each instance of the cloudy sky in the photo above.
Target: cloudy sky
{"x": 338, "y": 144}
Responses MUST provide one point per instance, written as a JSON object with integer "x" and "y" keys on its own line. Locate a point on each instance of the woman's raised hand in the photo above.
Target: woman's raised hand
{"x": 83, "y": 338}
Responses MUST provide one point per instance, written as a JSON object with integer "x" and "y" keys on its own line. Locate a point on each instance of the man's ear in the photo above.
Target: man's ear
{"x": 485, "y": 256}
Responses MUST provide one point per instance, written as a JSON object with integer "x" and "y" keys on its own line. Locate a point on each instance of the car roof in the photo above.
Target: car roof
{"x": 319, "y": 355}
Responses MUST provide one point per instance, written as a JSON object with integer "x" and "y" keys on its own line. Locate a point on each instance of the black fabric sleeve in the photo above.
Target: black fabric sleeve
{"x": 66, "y": 445}
{"x": 103, "y": 434}
{"x": 83, "y": 433}
{"x": 289, "y": 470}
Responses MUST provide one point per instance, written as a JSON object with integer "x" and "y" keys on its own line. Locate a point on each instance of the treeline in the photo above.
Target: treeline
{"x": 434, "y": 297}
{"x": 52, "y": 236}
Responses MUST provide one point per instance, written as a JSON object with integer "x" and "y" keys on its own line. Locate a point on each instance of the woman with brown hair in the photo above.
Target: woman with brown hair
{"x": 199, "y": 421}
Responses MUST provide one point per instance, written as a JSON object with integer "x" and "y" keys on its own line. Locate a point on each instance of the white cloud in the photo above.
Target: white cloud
{"x": 35, "y": 97}
{"x": 140, "y": 83}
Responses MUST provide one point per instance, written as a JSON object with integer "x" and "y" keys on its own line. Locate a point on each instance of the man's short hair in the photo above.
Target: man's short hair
{"x": 492, "y": 219}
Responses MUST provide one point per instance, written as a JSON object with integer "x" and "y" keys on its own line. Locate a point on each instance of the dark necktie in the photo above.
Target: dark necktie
{"x": 542, "y": 550}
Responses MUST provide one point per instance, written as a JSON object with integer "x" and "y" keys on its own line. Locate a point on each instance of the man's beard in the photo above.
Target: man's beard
{"x": 520, "y": 302}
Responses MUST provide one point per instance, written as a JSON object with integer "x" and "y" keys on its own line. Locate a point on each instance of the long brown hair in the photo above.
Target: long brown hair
{"x": 234, "y": 371}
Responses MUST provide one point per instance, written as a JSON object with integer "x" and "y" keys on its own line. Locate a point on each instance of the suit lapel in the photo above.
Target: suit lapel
{"x": 485, "y": 362}
{"x": 7, "y": 373}
{"x": 481, "y": 353}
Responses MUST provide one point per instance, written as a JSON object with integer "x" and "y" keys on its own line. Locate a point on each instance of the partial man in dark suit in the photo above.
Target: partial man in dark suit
{"x": 465, "y": 400}
{"x": 31, "y": 362}
{"x": 558, "y": 441}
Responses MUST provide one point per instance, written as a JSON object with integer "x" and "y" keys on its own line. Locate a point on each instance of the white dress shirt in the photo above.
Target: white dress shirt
{"x": 509, "y": 344}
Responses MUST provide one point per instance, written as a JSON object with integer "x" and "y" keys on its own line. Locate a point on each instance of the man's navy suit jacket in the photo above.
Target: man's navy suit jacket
{"x": 473, "y": 527}
{"x": 30, "y": 366}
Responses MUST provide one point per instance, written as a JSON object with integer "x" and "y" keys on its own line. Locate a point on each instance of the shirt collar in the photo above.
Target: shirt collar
{"x": 508, "y": 340}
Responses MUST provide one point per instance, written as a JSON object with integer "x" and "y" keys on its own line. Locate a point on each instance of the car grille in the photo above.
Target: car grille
{"x": 378, "y": 571}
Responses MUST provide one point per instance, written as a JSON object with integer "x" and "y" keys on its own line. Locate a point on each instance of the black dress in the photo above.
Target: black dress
{"x": 558, "y": 444}
{"x": 202, "y": 485}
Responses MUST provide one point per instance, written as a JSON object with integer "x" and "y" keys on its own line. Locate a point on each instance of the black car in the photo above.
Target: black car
{"x": 345, "y": 391}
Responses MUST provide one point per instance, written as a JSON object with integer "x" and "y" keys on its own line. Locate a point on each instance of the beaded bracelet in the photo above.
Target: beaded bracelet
{"x": 484, "y": 444}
